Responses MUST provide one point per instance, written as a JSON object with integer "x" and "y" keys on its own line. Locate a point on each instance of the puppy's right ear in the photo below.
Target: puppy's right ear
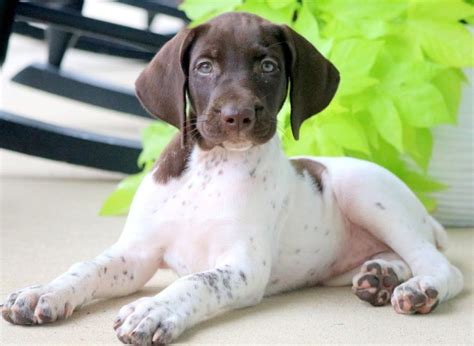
{"x": 161, "y": 87}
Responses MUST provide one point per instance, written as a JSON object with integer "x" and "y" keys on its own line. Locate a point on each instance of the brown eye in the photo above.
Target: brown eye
{"x": 268, "y": 66}
{"x": 204, "y": 67}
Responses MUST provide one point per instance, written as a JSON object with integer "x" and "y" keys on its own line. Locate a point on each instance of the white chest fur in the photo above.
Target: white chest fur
{"x": 252, "y": 197}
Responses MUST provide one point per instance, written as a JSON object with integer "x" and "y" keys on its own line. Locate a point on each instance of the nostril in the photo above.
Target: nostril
{"x": 230, "y": 120}
{"x": 247, "y": 121}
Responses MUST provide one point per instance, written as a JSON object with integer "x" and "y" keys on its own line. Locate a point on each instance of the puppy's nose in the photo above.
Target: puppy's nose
{"x": 236, "y": 118}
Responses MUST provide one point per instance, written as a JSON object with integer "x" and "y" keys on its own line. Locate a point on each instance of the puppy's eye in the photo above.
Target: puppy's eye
{"x": 268, "y": 66}
{"x": 204, "y": 67}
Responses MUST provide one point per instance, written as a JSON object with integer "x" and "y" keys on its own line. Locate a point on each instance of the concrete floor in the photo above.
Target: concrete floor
{"x": 49, "y": 223}
{"x": 48, "y": 220}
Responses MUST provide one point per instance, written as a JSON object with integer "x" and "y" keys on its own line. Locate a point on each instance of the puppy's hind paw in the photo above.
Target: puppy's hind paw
{"x": 375, "y": 282}
{"x": 416, "y": 295}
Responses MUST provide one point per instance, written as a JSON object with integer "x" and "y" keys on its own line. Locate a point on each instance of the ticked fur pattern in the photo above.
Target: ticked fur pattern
{"x": 239, "y": 225}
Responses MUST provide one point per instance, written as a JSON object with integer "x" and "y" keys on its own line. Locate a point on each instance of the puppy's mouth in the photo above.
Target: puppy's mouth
{"x": 211, "y": 135}
{"x": 238, "y": 146}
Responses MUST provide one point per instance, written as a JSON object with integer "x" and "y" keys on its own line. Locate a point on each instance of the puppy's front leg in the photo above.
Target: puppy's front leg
{"x": 116, "y": 272}
{"x": 238, "y": 280}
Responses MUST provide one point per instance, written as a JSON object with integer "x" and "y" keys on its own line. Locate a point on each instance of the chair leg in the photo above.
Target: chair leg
{"x": 7, "y": 13}
{"x": 58, "y": 40}
{"x": 150, "y": 15}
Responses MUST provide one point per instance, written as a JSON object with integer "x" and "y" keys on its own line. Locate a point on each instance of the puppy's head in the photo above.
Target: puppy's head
{"x": 234, "y": 71}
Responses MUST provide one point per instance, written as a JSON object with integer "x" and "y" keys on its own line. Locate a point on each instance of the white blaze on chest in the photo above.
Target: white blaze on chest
{"x": 205, "y": 213}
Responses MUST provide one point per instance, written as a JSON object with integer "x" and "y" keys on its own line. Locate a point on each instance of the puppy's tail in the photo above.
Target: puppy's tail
{"x": 440, "y": 235}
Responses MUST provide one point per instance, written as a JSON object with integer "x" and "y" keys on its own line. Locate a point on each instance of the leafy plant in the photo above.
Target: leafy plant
{"x": 399, "y": 62}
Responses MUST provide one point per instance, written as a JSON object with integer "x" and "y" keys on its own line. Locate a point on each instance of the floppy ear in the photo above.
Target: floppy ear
{"x": 161, "y": 87}
{"x": 313, "y": 79}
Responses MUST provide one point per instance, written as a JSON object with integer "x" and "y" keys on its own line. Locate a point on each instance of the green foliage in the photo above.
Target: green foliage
{"x": 154, "y": 138}
{"x": 399, "y": 62}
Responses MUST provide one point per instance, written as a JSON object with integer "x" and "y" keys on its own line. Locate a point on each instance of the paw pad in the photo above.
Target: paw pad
{"x": 375, "y": 283}
{"x": 411, "y": 298}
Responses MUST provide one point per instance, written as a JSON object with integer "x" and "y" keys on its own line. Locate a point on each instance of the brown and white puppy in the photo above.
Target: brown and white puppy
{"x": 232, "y": 215}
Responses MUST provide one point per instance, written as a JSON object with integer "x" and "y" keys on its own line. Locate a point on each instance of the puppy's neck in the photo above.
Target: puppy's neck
{"x": 260, "y": 155}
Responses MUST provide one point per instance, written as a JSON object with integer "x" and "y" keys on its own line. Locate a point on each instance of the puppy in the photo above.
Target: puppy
{"x": 232, "y": 215}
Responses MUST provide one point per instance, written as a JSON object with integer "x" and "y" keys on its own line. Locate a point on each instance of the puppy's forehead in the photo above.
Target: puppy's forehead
{"x": 240, "y": 31}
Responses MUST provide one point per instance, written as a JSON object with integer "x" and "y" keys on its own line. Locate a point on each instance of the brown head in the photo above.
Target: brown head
{"x": 234, "y": 72}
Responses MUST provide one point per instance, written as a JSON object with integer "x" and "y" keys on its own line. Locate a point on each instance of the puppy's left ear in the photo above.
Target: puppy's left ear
{"x": 313, "y": 79}
{"x": 161, "y": 87}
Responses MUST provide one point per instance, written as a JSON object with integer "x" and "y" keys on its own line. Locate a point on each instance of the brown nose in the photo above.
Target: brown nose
{"x": 237, "y": 119}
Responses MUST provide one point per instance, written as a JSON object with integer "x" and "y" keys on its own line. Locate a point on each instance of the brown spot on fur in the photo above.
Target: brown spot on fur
{"x": 380, "y": 205}
{"x": 431, "y": 293}
{"x": 374, "y": 266}
{"x": 173, "y": 160}
{"x": 314, "y": 168}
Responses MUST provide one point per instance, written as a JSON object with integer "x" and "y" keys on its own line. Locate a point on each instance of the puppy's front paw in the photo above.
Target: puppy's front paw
{"x": 36, "y": 305}
{"x": 417, "y": 295}
{"x": 148, "y": 321}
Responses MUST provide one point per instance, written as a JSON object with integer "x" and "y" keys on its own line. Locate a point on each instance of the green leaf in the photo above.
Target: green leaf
{"x": 307, "y": 26}
{"x": 437, "y": 28}
{"x": 449, "y": 44}
{"x": 346, "y": 132}
{"x": 429, "y": 202}
{"x": 355, "y": 57}
{"x": 198, "y": 9}
{"x": 398, "y": 75}
{"x": 357, "y": 9}
{"x": 387, "y": 156}
{"x": 118, "y": 202}
{"x": 370, "y": 130}
{"x": 422, "y": 183}
{"x": 354, "y": 84}
{"x": 449, "y": 82}
{"x": 387, "y": 121}
{"x": 422, "y": 105}
{"x": 279, "y": 4}
{"x": 307, "y": 145}
{"x": 400, "y": 48}
{"x": 154, "y": 138}
{"x": 328, "y": 146}
{"x": 419, "y": 145}
{"x": 283, "y": 15}
{"x": 348, "y": 28}
{"x": 440, "y": 10}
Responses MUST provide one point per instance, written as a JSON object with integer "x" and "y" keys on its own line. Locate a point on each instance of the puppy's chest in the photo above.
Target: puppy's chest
{"x": 203, "y": 214}
{"x": 219, "y": 187}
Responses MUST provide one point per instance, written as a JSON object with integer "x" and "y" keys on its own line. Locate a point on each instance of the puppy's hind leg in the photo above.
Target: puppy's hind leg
{"x": 376, "y": 200}
{"x": 375, "y": 280}
{"x": 378, "y": 277}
